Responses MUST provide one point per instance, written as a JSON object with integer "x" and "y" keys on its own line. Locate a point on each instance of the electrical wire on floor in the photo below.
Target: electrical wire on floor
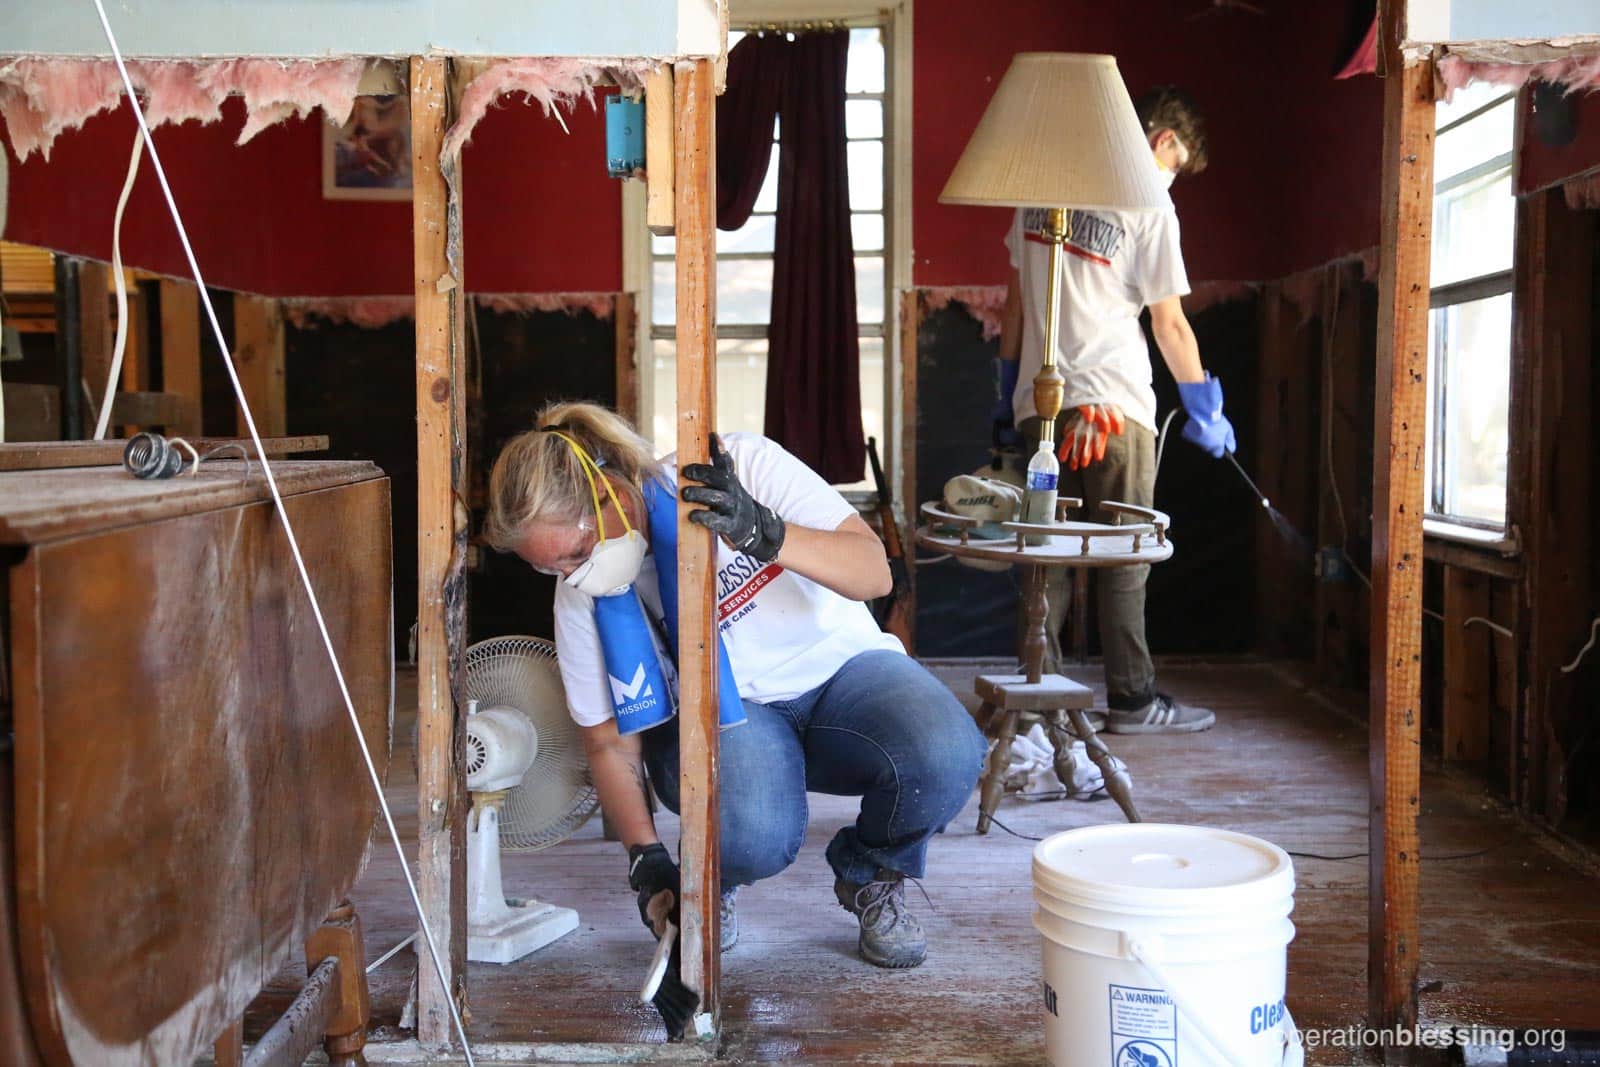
{"x": 1474, "y": 854}
{"x": 288, "y": 529}
{"x": 1013, "y": 833}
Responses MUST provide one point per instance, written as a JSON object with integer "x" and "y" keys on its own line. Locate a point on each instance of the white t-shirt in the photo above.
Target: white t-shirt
{"x": 785, "y": 634}
{"x": 1113, "y": 266}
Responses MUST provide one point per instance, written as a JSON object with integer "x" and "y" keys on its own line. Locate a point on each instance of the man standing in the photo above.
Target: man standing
{"x": 1114, "y": 265}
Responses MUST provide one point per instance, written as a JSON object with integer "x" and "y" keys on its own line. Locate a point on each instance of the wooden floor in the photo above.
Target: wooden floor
{"x": 1510, "y": 927}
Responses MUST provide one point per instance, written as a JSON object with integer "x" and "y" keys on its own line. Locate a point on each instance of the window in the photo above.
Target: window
{"x": 744, "y": 274}
{"x": 1469, "y": 327}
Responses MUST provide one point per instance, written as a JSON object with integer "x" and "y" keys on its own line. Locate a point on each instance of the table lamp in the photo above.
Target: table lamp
{"x": 1060, "y": 133}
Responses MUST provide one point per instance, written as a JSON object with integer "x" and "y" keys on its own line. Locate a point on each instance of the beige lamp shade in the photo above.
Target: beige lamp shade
{"x": 1060, "y": 132}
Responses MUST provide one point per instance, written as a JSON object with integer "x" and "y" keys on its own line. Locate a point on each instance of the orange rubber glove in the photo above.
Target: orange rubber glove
{"x": 1083, "y": 442}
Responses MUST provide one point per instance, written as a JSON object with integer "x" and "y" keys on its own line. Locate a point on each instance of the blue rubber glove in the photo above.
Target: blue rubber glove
{"x": 1207, "y": 427}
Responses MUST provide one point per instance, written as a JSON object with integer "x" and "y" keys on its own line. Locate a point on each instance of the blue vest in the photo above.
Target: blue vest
{"x": 639, "y": 694}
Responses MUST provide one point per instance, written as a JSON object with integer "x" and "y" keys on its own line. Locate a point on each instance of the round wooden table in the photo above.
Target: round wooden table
{"x": 1134, "y": 535}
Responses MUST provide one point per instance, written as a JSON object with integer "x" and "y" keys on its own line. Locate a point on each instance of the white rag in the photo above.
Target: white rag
{"x": 1032, "y": 770}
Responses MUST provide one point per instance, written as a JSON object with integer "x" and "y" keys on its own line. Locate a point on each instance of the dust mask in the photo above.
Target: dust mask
{"x": 1167, "y": 177}
{"x": 614, "y": 562}
{"x": 611, "y": 567}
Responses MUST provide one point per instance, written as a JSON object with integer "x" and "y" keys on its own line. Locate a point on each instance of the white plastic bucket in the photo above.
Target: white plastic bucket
{"x": 1164, "y": 946}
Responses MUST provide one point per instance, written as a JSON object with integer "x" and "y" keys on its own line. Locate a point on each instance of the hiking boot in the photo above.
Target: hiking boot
{"x": 730, "y": 919}
{"x": 1163, "y": 715}
{"x": 890, "y": 935}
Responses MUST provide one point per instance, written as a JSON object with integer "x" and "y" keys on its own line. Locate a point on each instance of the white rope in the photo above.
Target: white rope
{"x": 121, "y": 345}
{"x": 1594, "y": 630}
{"x": 288, "y": 528}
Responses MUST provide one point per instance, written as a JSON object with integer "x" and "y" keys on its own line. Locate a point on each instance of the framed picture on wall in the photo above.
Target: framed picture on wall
{"x": 369, "y": 157}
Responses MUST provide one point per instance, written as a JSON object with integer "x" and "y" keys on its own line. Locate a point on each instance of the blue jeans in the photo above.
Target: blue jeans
{"x": 882, "y": 728}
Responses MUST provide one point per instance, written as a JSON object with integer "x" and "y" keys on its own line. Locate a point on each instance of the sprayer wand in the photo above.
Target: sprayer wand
{"x": 1253, "y": 488}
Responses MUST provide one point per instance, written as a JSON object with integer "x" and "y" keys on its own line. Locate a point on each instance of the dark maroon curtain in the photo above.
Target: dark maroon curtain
{"x": 745, "y": 113}
{"x": 813, "y": 354}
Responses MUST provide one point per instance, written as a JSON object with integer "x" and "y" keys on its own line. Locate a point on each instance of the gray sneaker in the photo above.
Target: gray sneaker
{"x": 890, "y": 935}
{"x": 1163, "y": 715}
{"x": 730, "y": 919}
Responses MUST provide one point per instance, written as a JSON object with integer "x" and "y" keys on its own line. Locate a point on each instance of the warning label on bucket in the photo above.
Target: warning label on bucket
{"x": 1144, "y": 1028}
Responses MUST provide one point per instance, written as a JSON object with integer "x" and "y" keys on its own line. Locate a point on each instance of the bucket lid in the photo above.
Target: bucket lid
{"x": 1163, "y": 867}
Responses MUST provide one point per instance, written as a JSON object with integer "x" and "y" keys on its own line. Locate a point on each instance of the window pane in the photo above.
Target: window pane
{"x": 869, "y": 289}
{"x": 863, "y": 71}
{"x": 767, "y": 198}
{"x": 1471, "y": 143}
{"x": 662, "y": 246}
{"x": 1474, "y": 226}
{"x": 741, "y": 390}
{"x": 664, "y": 292}
{"x": 866, "y": 232}
{"x": 744, "y": 290}
{"x": 1465, "y": 101}
{"x": 865, "y": 162}
{"x": 754, "y": 236}
{"x": 871, "y": 406}
{"x": 1472, "y": 346}
{"x": 863, "y": 118}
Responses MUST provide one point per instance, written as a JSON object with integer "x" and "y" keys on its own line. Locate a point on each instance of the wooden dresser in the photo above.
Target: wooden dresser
{"x": 182, "y": 801}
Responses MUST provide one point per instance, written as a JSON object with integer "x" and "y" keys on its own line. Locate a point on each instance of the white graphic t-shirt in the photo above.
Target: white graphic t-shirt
{"x": 785, "y": 634}
{"x": 1113, "y": 266}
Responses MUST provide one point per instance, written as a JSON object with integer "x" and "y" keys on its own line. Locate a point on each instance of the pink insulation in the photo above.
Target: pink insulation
{"x": 552, "y": 81}
{"x": 367, "y": 312}
{"x": 1573, "y": 72}
{"x": 601, "y": 305}
{"x": 41, "y": 98}
{"x": 985, "y": 303}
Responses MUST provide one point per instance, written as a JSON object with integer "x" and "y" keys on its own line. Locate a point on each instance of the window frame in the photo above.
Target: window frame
{"x": 894, "y": 24}
{"x": 1438, "y": 520}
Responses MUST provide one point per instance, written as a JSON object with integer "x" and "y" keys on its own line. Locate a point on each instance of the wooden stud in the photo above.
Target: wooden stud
{"x": 135, "y": 360}
{"x": 910, "y": 327}
{"x": 258, "y": 358}
{"x": 659, "y": 151}
{"x": 695, "y": 208}
{"x": 1551, "y": 406}
{"x": 1398, "y": 450}
{"x": 625, "y": 319}
{"x": 441, "y": 548}
{"x": 180, "y": 350}
{"x": 95, "y": 336}
{"x": 1468, "y": 667}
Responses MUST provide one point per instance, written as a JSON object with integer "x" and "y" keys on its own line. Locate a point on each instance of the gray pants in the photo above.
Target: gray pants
{"x": 1127, "y": 474}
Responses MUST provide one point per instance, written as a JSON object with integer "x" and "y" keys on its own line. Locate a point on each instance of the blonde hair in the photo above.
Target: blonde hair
{"x": 539, "y": 478}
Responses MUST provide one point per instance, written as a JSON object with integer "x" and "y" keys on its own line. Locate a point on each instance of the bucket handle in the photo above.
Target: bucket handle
{"x": 1147, "y": 951}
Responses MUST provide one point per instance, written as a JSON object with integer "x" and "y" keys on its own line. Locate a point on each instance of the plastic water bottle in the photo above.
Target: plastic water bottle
{"x": 1040, "y": 504}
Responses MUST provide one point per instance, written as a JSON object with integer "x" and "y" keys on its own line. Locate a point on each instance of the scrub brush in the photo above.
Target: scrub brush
{"x": 663, "y": 985}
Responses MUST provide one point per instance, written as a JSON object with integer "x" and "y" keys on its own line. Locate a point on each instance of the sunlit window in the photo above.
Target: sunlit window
{"x": 744, "y": 272}
{"x": 1469, "y": 327}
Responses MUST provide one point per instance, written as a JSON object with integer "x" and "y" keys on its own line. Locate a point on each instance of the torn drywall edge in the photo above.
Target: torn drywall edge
{"x": 552, "y": 81}
{"x": 1583, "y": 192}
{"x": 41, "y": 98}
{"x": 1573, "y": 72}
{"x": 1206, "y": 295}
{"x": 377, "y": 312}
{"x": 985, "y": 303}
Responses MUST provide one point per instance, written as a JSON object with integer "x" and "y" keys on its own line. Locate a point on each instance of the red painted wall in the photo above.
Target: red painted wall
{"x": 1542, "y": 165}
{"x": 540, "y": 214}
{"x": 1293, "y": 180}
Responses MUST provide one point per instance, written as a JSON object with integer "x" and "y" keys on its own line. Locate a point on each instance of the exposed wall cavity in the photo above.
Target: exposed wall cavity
{"x": 552, "y": 81}
{"x": 376, "y": 312}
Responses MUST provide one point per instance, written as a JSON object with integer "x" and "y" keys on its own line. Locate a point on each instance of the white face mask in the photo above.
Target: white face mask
{"x": 611, "y": 567}
{"x": 1167, "y": 177}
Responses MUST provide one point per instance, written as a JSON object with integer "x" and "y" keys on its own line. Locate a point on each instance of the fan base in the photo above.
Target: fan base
{"x": 528, "y": 926}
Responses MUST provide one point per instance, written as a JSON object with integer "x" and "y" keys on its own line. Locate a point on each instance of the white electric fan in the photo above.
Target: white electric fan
{"x": 529, "y": 784}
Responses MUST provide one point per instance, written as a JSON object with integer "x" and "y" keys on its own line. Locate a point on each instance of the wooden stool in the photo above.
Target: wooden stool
{"x": 1059, "y": 701}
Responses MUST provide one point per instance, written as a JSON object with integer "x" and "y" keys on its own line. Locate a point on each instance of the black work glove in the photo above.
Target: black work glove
{"x": 654, "y": 876}
{"x": 730, "y": 511}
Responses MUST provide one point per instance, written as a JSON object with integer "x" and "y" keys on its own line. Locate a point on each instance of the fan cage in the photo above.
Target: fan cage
{"x": 556, "y": 796}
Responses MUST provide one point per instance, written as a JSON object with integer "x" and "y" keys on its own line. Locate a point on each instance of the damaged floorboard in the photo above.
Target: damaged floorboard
{"x": 1510, "y": 929}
